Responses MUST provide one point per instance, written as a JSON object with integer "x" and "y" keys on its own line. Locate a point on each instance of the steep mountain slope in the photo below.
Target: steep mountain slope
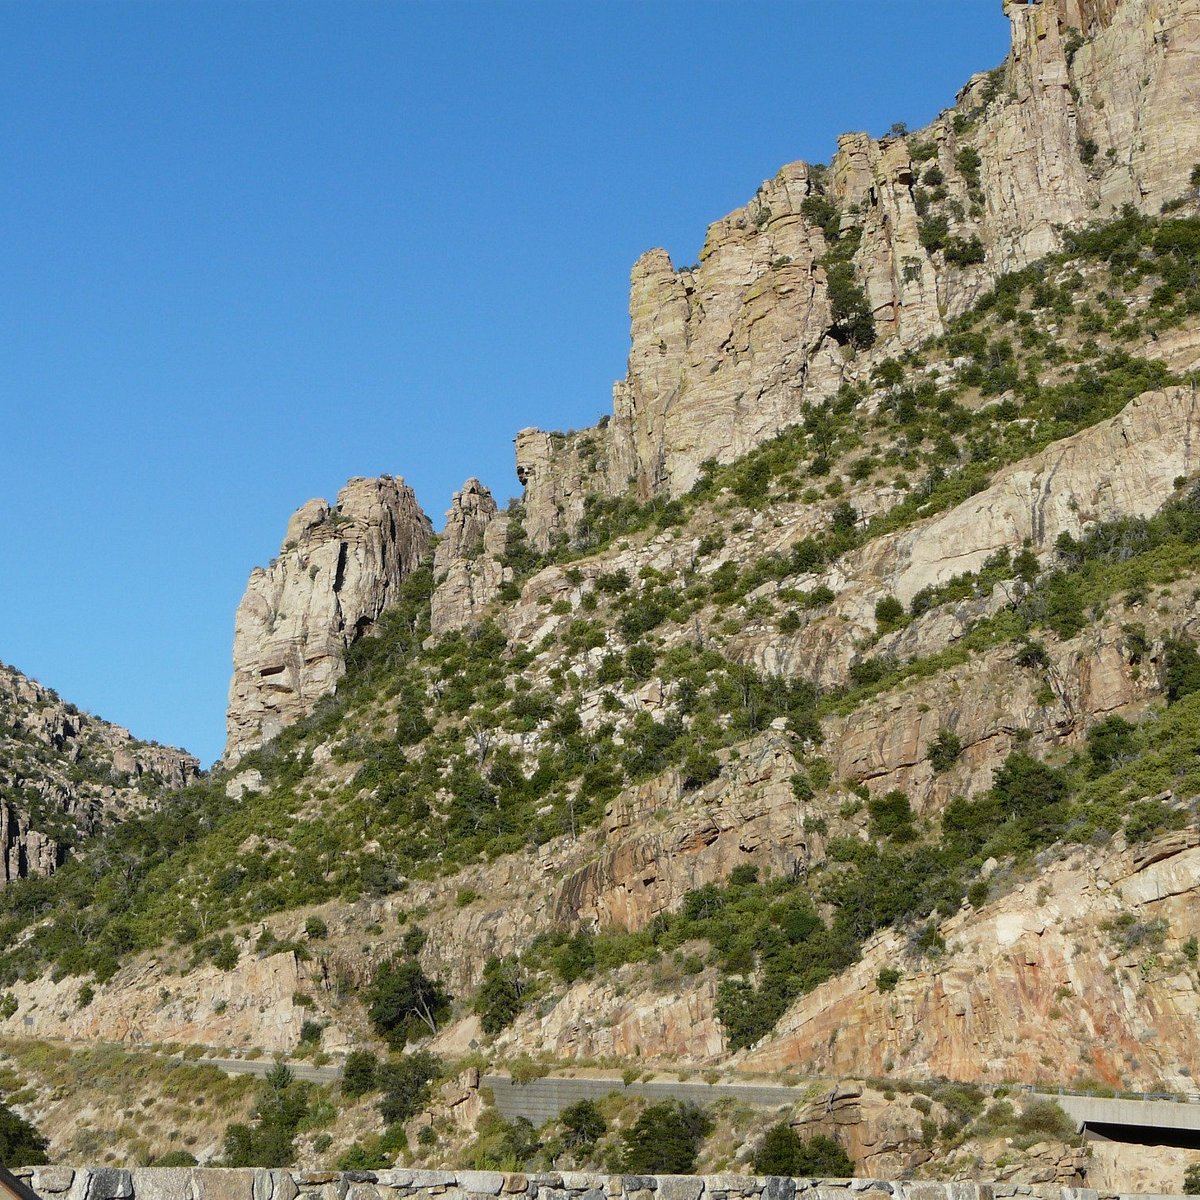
{"x": 65, "y": 774}
{"x": 879, "y": 250}
{"x": 832, "y": 708}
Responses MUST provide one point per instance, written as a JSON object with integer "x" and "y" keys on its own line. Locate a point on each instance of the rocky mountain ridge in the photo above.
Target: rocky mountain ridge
{"x": 65, "y": 774}
{"x": 831, "y": 709}
{"x": 726, "y": 352}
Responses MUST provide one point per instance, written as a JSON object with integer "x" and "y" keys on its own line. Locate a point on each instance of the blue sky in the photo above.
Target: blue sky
{"x": 248, "y": 250}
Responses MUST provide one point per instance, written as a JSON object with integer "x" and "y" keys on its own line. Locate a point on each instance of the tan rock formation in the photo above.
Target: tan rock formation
{"x": 728, "y": 352}
{"x": 748, "y": 815}
{"x": 250, "y": 1005}
{"x": 467, "y": 568}
{"x": 65, "y": 774}
{"x": 1125, "y": 466}
{"x": 336, "y": 572}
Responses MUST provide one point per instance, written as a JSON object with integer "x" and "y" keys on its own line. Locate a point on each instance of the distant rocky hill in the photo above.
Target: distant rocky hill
{"x": 830, "y": 709}
{"x": 65, "y": 774}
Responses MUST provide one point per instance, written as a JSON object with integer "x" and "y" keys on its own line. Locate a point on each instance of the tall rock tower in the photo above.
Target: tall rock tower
{"x": 338, "y": 569}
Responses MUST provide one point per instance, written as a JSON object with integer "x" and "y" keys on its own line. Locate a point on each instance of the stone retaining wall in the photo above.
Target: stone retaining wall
{"x": 255, "y": 1183}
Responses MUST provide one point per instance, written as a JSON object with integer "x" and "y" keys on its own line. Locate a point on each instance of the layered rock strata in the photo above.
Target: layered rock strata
{"x": 337, "y": 570}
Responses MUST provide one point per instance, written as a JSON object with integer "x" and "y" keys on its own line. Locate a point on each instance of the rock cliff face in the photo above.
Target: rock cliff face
{"x": 64, "y": 774}
{"x": 724, "y": 688}
{"x": 336, "y": 571}
{"x": 1039, "y": 984}
{"x": 467, "y": 570}
{"x": 1084, "y": 116}
{"x": 1125, "y": 466}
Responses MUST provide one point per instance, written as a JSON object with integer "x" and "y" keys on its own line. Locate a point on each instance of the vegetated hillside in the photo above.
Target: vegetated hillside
{"x": 64, "y": 774}
{"x": 709, "y": 781}
{"x": 871, "y": 752}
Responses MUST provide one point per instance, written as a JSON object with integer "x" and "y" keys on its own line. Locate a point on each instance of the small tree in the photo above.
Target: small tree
{"x": 1191, "y": 1177}
{"x": 1110, "y": 743}
{"x": 583, "y": 1123}
{"x": 403, "y": 1002}
{"x": 891, "y": 817}
{"x": 665, "y": 1139}
{"x": 889, "y": 613}
{"x": 20, "y": 1143}
{"x": 782, "y": 1152}
{"x": 824, "y": 1157}
{"x": 501, "y": 994}
{"x": 944, "y": 750}
{"x": 1181, "y": 669}
{"x": 778, "y": 1151}
{"x": 358, "y": 1075}
{"x": 887, "y": 979}
{"x": 405, "y": 1083}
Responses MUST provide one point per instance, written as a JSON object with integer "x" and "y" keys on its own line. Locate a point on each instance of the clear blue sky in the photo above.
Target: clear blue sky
{"x": 248, "y": 250}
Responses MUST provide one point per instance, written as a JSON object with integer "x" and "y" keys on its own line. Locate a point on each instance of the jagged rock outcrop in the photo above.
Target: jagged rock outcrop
{"x": 467, "y": 567}
{"x": 749, "y": 815}
{"x": 726, "y": 353}
{"x": 337, "y": 570}
{"x": 64, "y": 774}
{"x": 1037, "y": 985}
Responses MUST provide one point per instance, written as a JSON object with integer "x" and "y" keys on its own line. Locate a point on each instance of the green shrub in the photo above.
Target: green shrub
{"x": 358, "y": 1073}
{"x": 402, "y": 1002}
{"x": 1046, "y": 1118}
{"x": 175, "y": 1158}
{"x": 1191, "y": 1177}
{"x": 1181, "y": 669}
{"x": 944, "y": 750}
{"x": 778, "y": 1151}
{"x": 406, "y": 1083}
{"x": 315, "y": 928}
{"x": 501, "y": 994}
{"x": 583, "y": 1125}
{"x": 782, "y": 1152}
{"x": 889, "y": 613}
{"x": 968, "y": 162}
{"x": 269, "y": 1141}
{"x": 887, "y": 979}
{"x": 226, "y": 956}
{"x": 891, "y": 817}
{"x": 665, "y": 1139}
{"x": 21, "y": 1145}
{"x": 1110, "y": 743}
{"x": 310, "y": 1031}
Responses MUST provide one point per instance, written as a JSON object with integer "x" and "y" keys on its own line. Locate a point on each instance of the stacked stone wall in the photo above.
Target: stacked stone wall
{"x": 254, "y": 1183}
